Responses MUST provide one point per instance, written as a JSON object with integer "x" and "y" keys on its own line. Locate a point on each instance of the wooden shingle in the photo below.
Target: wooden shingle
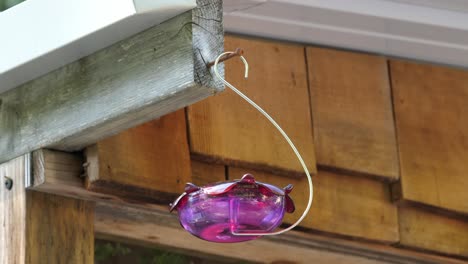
{"x": 229, "y": 129}
{"x": 345, "y": 205}
{"x": 432, "y": 124}
{"x": 352, "y": 112}
{"x": 206, "y": 173}
{"x": 147, "y": 160}
{"x": 430, "y": 231}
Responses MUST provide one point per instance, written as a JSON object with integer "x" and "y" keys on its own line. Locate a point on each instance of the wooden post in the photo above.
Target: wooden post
{"x": 13, "y": 211}
{"x": 38, "y": 227}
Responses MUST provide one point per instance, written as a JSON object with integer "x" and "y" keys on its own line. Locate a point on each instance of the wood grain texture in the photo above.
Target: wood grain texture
{"x": 158, "y": 228}
{"x": 55, "y": 167}
{"x": 63, "y": 179}
{"x": 60, "y": 173}
{"x": 344, "y": 205}
{"x": 229, "y": 129}
{"x": 205, "y": 173}
{"x": 425, "y": 230}
{"x": 151, "y": 158}
{"x": 40, "y": 228}
{"x": 13, "y": 212}
{"x": 432, "y": 124}
{"x": 59, "y": 230}
{"x": 133, "y": 81}
{"x": 352, "y": 112}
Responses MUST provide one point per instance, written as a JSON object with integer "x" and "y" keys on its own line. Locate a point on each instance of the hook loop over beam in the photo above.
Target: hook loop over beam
{"x": 237, "y": 52}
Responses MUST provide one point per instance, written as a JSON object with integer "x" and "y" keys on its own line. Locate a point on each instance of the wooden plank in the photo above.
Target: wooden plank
{"x": 352, "y": 112}
{"x": 146, "y": 222}
{"x": 148, "y": 160}
{"x": 13, "y": 212}
{"x": 60, "y": 173}
{"x": 138, "y": 79}
{"x": 343, "y": 205}
{"x": 227, "y": 128}
{"x": 430, "y": 111}
{"x": 205, "y": 173}
{"x": 425, "y": 230}
{"x": 59, "y": 229}
{"x": 158, "y": 228}
{"x": 40, "y": 228}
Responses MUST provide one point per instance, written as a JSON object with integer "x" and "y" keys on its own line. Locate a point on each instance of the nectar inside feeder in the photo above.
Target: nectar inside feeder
{"x": 238, "y": 210}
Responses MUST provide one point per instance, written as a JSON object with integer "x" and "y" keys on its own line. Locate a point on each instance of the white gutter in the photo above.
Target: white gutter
{"x": 39, "y": 36}
{"x": 429, "y": 30}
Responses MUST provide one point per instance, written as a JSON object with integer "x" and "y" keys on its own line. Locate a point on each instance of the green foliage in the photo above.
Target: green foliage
{"x": 104, "y": 251}
{"x": 5, "y": 4}
{"x": 109, "y": 252}
{"x": 161, "y": 257}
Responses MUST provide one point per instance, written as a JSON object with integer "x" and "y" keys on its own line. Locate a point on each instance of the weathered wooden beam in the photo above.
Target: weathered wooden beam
{"x": 42, "y": 228}
{"x": 138, "y": 79}
{"x": 158, "y": 228}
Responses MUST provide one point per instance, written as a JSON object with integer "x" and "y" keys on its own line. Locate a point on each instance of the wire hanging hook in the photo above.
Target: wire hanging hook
{"x": 304, "y": 166}
{"x": 237, "y": 52}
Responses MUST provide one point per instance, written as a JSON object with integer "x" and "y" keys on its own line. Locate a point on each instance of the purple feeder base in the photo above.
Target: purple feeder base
{"x": 215, "y": 212}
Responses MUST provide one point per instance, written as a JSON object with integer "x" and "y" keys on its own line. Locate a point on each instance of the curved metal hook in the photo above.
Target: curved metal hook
{"x": 309, "y": 178}
{"x": 215, "y": 66}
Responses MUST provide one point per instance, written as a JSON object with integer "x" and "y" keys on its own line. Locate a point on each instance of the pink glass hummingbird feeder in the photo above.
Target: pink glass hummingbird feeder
{"x": 238, "y": 210}
{"x": 220, "y": 211}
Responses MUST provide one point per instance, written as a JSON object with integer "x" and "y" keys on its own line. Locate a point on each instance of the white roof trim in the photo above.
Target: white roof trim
{"x": 435, "y": 30}
{"x": 43, "y": 35}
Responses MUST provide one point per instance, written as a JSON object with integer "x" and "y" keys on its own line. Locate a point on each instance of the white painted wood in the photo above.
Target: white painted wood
{"x": 434, "y": 31}
{"x": 454, "y": 5}
{"x": 240, "y": 5}
{"x": 150, "y": 74}
{"x": 43, "y": 35}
